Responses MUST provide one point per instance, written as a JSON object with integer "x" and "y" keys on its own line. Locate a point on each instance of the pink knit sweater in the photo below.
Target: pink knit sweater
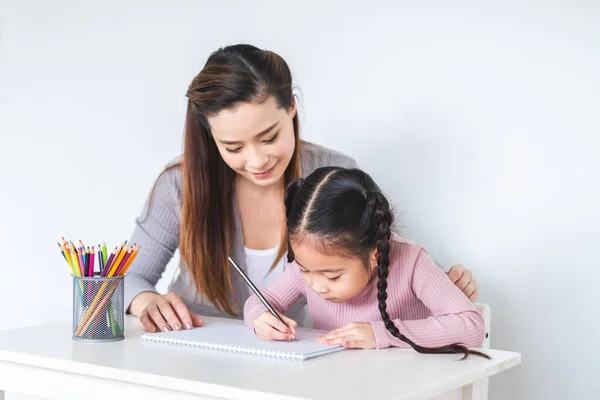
{"x": 423, "y": 303}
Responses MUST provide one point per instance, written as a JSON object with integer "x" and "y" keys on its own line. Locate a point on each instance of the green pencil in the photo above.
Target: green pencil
{"x": 104, "y": 253}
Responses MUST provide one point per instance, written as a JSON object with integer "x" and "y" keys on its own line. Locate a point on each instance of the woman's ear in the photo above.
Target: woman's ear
{"x": 292, "y": 111}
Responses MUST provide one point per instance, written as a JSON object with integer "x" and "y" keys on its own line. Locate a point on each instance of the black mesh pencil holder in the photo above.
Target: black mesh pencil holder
{"x": 98, "y": 310}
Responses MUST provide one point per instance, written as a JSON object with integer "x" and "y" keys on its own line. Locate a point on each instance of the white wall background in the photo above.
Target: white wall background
{"x": 480, "y": 120}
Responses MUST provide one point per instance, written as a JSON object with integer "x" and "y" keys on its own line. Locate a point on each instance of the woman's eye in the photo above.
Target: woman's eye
{"x": 234, "y": 150}
{"x": 271, "y": 139}
{"x": 334, "y": 279}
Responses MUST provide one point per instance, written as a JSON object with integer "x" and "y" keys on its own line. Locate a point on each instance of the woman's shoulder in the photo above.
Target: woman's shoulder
{"x": 315, "y": 156}
{"x": 168, "y": 182}
{"x": 172, "y": 166}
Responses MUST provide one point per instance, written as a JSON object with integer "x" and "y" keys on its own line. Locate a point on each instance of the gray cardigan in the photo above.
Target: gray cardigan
{"x": 157, "y": 231}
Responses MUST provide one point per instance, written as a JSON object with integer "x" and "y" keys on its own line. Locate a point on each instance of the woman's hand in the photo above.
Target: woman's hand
{"x": 463, "y": 279}
{"x": 163, "y": 312}
{"x": 268, "y": 327}
{"x": 357, "y": 335}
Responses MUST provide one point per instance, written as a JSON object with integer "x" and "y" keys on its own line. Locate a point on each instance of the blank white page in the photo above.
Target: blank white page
{"x": 238, "y": 338}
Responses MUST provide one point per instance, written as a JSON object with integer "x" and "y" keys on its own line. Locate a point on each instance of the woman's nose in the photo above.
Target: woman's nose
{"x": 256, "y": 160}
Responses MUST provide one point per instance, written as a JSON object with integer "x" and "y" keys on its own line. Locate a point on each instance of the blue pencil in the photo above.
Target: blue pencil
{"x": 100, "y": 260}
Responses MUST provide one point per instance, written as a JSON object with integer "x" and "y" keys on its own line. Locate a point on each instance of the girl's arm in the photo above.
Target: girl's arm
{"x": 454, "y": 318}
{"x": 281, "y": 294}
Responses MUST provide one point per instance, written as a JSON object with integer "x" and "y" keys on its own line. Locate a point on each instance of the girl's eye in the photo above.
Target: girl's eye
{"x": 234, "y": 150}
{"x": 303, "y": 271}
{"x": 334, "y": 279}
{"x": 271, "y": 139}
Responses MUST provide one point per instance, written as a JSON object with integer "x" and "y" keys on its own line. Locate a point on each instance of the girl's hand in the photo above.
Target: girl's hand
{"x": 268, "y": 327}
{"x": 163, "y": 312}
{"x": 357, "y": 335}
{"x": 463, "y": 279}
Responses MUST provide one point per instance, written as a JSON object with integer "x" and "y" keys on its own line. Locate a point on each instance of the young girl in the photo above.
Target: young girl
{"x": 369, "y": 288}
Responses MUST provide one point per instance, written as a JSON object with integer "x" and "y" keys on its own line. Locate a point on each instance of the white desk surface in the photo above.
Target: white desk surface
{"x": 350, "y": 374}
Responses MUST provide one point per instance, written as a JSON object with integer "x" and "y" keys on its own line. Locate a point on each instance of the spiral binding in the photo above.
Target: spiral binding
{"x": 231, "y": 349}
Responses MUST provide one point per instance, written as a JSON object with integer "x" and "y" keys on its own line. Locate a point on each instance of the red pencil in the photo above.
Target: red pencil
{"x": 123, "y": 261}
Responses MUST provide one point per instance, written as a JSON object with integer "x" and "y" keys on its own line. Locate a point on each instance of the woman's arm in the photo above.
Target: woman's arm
{"x": 157, "y": 233}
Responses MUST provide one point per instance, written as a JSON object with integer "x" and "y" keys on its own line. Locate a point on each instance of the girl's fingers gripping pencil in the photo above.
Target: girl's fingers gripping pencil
{"x": 259, "y": 294}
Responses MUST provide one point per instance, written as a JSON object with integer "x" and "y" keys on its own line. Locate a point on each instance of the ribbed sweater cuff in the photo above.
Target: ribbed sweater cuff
{"x": 382, "y": 338}
{"x": 135, "y": 285}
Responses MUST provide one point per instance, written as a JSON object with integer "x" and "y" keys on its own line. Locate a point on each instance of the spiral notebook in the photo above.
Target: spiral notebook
{"x": 237, "y": 338}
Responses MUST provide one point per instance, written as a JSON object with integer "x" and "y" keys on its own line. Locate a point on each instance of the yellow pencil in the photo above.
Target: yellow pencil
{"x": 120, "y": 253}
{"x": 75, "y": 260}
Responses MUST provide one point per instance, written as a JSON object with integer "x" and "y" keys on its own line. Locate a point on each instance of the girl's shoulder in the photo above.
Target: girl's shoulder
{"x": 397, "y": 241}
{"x": 315, "y": 156}
{"x": 404, "y": 252}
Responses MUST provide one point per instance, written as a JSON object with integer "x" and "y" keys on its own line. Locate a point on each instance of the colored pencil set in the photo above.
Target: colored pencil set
{"x": 81, "y": 259}
{"x": 98, "y": 313}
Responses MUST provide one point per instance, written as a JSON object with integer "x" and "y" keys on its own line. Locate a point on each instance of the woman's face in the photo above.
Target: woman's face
{"x": 256, "y": 140}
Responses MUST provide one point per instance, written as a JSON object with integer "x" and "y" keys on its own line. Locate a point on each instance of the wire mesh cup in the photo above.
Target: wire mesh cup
{"x": 98, "y": 311}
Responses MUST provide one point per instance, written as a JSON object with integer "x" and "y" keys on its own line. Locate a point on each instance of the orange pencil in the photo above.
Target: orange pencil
{"x": 67, "y": 257}
{"x": 123, "y": 261}
{"x": 130, "y": 260}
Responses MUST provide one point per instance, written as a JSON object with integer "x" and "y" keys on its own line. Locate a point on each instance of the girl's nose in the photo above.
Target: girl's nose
{"x": 320, "y": 288}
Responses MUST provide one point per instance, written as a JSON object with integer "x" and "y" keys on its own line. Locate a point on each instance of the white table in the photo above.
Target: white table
{"x": 44, "y": 361}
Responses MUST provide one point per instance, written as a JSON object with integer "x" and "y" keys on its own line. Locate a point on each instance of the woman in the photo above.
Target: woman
{"x": 225, "y": 195}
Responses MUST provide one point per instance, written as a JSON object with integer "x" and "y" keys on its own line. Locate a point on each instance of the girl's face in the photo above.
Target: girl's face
{"x": 256, "y": 140}
{"x": 334, "y": 278}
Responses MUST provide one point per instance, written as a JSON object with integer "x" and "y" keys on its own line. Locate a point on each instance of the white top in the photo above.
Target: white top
{"x": 356, "y": 374}
{"x": 258, "y": 263}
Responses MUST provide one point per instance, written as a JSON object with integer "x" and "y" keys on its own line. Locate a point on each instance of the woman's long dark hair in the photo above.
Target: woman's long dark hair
{"x": 232, "y": 75}
{"x": 348, "y": 213}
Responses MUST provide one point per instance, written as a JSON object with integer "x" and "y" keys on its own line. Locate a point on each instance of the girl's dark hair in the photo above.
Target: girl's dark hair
{"x": 232, "y": 75}
{"x": 344, "y": 212}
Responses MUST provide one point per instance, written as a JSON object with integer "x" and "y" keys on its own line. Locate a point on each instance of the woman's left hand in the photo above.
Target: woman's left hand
{"x": 463, "y": 279}
{"x": 357, "y": 335}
